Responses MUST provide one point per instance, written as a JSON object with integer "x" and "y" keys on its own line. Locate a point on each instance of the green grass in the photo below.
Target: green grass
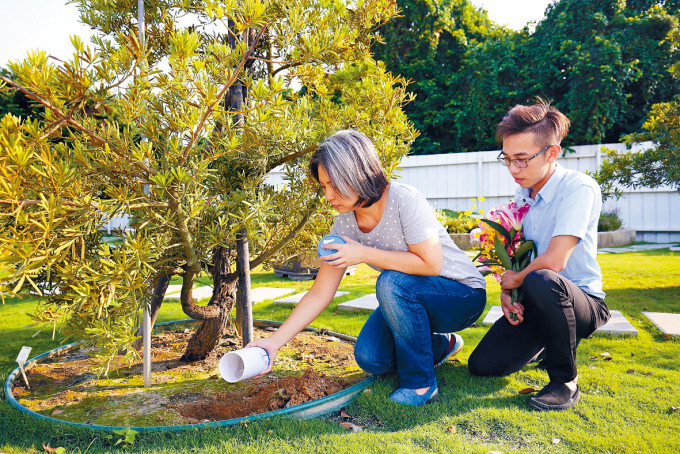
{"x": 627, "y": 402}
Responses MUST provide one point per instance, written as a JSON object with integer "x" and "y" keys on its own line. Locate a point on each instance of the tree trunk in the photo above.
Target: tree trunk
{"x": 225, "y": 283}
{"x": 209, "y": 333}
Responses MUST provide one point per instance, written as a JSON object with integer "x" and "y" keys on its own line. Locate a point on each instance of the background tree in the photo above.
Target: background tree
{"x": 602, "y": 63}
{"x": 652, "y": 167}
{"x": 427, "y": 45}
{"x": 147, "y": 129}
{"x": 15, "y": 102}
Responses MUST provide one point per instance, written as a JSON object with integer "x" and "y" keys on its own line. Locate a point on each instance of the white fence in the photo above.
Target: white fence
{"x": 452, "y": 180}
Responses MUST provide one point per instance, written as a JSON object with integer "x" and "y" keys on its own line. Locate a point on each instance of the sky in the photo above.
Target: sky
{"x": 48, "y": 24}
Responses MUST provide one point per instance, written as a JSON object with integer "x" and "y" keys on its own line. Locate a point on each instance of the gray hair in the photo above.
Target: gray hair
{"x": 353, "y": 167}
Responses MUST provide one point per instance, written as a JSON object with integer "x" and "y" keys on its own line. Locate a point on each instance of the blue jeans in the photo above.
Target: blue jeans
{"x": 406, "y": 333}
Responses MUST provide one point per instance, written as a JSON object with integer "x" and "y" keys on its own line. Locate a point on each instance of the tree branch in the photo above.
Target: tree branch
{"x": 266, "y": 255}
{"x": 290, "y": 157}
{"x": 284, "y": 67}
{"x": 97, "y": 139}
{"x": 219, "y": 97}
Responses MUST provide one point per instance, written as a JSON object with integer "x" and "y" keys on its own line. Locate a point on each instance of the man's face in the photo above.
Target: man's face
{"x": 539, "y": 168}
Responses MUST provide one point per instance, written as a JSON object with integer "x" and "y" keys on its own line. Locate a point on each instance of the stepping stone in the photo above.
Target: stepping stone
{"x": 366, "y": 302}
{"x": 198, "y": 293}
{"x": 494, "y": 314}
{"x": 635, "y": 248}
{"x": 646, "y": 247}
{"x": 173, "y": 288}
{"x": 260, "y": 294}
{"x": 294, "y": 299}
{"x": 617, "y": 324}
{"x": 256, "y": 295}
{"x": 669, "y": 324}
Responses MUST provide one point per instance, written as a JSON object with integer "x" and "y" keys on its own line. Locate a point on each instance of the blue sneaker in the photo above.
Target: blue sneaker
{"x": 409, "y": 396}
{"x": 455, "y": 345}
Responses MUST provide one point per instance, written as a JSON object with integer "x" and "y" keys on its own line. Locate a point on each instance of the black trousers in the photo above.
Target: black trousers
{"x": 557, "y": 315}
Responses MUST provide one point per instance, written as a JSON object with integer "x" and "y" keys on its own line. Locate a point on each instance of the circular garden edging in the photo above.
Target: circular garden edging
{"x": 314, "y": 408}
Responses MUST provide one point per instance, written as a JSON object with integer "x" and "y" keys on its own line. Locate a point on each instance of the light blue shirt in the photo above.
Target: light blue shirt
{"x": 568, "y": 204}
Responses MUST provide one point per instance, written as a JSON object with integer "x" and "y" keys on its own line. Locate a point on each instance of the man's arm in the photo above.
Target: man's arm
{"x": 554, "y": 258}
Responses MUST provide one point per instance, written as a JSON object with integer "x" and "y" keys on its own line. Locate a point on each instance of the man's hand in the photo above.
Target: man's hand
{"x": 511, "y": 279}
{"x": 509, "y": 308}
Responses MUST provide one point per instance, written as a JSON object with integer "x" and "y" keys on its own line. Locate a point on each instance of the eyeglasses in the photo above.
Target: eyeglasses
{"x": 521, "y": 163}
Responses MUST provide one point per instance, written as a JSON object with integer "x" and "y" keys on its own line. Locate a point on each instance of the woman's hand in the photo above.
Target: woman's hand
{"x": 350, "y": 253}
{"x": 509, "y": 308}
{"x": 272, "y": 349}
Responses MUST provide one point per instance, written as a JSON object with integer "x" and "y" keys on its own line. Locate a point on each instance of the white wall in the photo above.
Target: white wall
{"x": 452, "y": 180}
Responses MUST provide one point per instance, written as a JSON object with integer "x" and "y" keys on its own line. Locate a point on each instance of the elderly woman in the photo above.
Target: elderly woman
{"x": 427, "y": 289}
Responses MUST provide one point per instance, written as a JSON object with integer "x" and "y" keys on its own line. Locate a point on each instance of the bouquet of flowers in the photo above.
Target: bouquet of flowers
{"x": 502, "y": 244}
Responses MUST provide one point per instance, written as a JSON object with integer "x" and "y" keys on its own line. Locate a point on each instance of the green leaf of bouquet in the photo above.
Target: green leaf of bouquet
{"x": 525, "y": 248}
{"x": 499, "y": 228}
{"x": 524, "y": 262}
{"x": 502, "y": 254}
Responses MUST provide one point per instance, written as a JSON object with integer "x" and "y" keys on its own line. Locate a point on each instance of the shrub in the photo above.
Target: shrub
{"x": 456, "y": 221}
{"x": 609, "y": 221}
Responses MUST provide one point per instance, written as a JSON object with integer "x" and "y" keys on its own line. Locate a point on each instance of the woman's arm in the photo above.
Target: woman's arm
{"x": 310, "y": 306}
{"x": 423, "y": 259}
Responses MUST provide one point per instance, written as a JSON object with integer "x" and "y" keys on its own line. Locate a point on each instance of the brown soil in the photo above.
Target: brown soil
{"x": 310, "y": 367}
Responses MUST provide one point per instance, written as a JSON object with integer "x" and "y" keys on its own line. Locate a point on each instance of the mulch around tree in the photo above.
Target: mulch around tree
{"x": 65, "y": 386}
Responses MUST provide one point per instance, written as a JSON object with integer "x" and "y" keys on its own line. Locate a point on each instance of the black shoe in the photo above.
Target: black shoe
{"x": 555, "y": 396}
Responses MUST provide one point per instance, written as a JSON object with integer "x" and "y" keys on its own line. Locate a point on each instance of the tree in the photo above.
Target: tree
{"x": 652, "y": 167}
{"x": 149, "y": 129}
{"x": 428, "y": 45}
{"x": 602, "y": 63}
{"x": 14, "y": 102}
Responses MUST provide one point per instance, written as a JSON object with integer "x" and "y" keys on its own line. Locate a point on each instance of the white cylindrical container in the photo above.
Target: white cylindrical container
{"x": 243, "y": 364}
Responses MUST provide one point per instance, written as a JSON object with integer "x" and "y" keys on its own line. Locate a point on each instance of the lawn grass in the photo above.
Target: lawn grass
{"x": 627, "y": 402}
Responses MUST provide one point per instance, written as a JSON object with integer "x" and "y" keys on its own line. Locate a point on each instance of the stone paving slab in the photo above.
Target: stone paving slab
{"x": 494, "y": 314}
{"x": 366, "y": 302}
{"x": 173, "y": 288}
{"x": 635, "y": 248}
{"x": 667, "y": 323}
{"x": 294, "y": 299}
{"x": 257, "y": 294}
{"x": 198, "y": 293}
{"x": 617, "y": 324}
{"x": 268, "y": 293}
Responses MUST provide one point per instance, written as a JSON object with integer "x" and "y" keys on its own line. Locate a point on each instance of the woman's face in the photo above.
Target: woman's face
{"x": 340, "y": 203}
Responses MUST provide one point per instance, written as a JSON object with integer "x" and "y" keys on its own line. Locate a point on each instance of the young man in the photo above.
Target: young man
{"x": 563, "y": 298}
